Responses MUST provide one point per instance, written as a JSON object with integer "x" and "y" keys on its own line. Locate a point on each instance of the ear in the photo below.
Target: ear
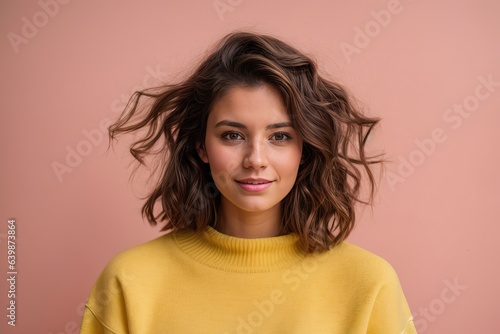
{"x": 200, "y": 148}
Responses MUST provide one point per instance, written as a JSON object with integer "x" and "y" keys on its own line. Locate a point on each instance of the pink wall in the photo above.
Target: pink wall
{"x": 67, "y": 66}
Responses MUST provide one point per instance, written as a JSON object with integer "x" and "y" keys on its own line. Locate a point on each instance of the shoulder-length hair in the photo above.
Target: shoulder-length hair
{"x": 320, "y": 206}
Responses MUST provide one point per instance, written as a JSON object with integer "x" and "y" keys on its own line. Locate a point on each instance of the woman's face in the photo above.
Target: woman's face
{"x": 253, "y": 151}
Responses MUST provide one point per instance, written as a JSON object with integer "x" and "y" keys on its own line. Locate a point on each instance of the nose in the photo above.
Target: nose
{"x": 255, "y": 156}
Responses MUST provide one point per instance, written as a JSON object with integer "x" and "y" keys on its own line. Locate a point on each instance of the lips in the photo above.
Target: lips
{"x": 253, "y": 181}
{"x": 254, "y": 184}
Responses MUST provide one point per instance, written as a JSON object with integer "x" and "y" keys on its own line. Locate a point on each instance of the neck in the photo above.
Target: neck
{"x": 244, "y": 224}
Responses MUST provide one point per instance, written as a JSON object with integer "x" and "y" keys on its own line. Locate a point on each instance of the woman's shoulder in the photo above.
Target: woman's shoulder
{"x": 142, "y": 257}
{"x": 351, "y": 252}
{"x": 358, "y": 263}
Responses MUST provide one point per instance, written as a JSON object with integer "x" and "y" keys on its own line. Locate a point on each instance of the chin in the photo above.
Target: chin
{"x": 257, "y": 207}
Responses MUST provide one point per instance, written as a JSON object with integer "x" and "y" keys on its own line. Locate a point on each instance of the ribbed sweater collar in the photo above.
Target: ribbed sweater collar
{"x": 228, "y": 253}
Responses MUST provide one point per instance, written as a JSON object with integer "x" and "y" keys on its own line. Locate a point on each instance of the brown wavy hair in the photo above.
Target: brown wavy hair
{"x": 320, "y": 206}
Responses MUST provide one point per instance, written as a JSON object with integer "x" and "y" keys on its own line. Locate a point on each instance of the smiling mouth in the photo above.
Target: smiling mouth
{"x": 253, "y": 182}
{"x": 254, "y": 186}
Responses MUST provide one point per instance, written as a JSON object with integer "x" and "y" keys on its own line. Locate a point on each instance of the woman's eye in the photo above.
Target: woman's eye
{"x": 231, "y": 136}
{"x": 280, "y": 136}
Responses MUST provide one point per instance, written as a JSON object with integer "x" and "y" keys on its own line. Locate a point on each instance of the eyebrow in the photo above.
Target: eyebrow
{"x": 243, "y": 126}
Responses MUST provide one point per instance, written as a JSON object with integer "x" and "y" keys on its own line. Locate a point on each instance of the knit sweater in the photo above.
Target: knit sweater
{"x": 209, "y": 282}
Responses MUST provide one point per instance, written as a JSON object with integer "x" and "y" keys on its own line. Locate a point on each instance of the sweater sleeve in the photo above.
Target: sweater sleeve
{"x": 105, "y": 311}
{"x": 391, "y": 313}
{"x": 91, "y": 324}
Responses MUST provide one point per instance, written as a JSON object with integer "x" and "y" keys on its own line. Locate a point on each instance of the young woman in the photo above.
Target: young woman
{"x": 261, "y": 161}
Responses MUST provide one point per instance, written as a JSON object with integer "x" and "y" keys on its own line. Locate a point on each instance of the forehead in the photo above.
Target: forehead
{"x": 258, "y": 104}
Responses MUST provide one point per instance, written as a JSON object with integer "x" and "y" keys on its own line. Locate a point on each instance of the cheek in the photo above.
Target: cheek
{"x": 292, "y": 159}
{"x": 293, "y": 165}
{"x": 221, "y": 163}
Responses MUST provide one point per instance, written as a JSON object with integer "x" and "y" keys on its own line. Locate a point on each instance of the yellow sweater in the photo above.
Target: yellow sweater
{"x": 209, "y": 282}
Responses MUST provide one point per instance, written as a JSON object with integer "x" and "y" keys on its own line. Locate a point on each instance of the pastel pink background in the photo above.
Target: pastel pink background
{"x": 437, "y": 224}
